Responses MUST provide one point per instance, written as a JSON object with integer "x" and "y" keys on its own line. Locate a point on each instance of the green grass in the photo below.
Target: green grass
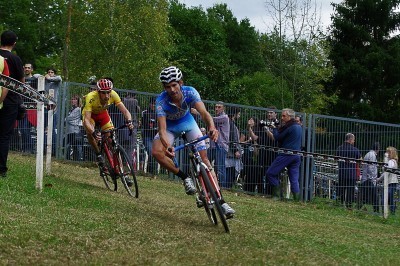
{"x": 75, "y": 220}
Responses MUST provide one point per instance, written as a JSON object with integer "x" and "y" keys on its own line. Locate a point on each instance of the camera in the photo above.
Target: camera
{"x": 273, "y": 123}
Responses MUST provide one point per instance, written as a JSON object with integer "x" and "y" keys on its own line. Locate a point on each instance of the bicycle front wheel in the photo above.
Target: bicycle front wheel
{"x": 126, "y": 172}
{"x": 200, "y": 195}
{"x": 213, "y": 195}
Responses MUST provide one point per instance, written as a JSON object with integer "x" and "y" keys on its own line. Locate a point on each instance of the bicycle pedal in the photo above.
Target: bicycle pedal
{"x": 199, "y": 203}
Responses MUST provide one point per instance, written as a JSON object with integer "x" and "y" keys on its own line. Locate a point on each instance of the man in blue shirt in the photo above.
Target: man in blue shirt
{"x": 288, "y": 136}
{"x": 347, "y": 170}
{"x": 173, "y": 108}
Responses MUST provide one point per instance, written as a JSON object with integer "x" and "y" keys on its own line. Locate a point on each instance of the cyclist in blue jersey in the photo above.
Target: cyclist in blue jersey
{"x": 173, "y": 116}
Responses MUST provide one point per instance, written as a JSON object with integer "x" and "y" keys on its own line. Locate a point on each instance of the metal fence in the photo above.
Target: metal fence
{"x": 321, "y": 134}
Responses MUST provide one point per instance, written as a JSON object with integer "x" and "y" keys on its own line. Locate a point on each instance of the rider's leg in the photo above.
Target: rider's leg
{"x": 158, "y": 153}
{"x": 92, "y": 140}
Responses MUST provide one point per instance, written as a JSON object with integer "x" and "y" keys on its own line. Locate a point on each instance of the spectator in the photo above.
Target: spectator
{"x": 4, "y": 71}
{"x": 52, "y": 82}
{"x": 29, "y": 121}
{"x": 30, "y": 79}
{"x": 259, "y": 133}
{"x": 130, "y": 142}
{"x": 391, "y": 156}
{"x": 207, "y": 141}
{"x": 251, "y": 176}
{"x": 368, "y": 190}
{"x": 233, "y": 161}
{"x": 9, "y": 99}
{"x": 75, "y": 130}
{"x": 219, "y": 149}
{"x": 149, "y": 130}
{"x": 173, "y": 117}
{"x": 299, "y": 119}
{"x": 288, "y": 136}
{"x": 347, "y": 171}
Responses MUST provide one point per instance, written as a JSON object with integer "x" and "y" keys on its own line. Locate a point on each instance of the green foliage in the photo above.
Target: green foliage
{"x": 131, "y": 41}
{"x": 39, "y": 26}
{"x": 201, "y": 50}
{"x": 304, "y": 67}
{"x": 130, "y": 48}
{"x": 366, "y": 55}
{"x": 261, "y": 89}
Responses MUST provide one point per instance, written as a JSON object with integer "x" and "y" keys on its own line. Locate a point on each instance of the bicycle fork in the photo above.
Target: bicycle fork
{"x": 205, "y": 192}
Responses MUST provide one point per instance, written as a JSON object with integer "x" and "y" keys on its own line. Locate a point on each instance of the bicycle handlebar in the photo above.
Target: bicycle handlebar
{"x": 180, "y": 147}
{"x": 118, "y": 128}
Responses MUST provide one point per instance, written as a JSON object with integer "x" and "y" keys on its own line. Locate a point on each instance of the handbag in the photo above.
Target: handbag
{"x": 21, "y": 111}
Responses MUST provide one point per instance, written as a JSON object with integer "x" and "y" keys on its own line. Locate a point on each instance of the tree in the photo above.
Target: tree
{"x": 241, "y": 39}
{"x": 296, "y": 52}
{"x": 38, "y": 24}
{"x": 366, "y": 55}
{"x": 200, "y": 50}
{"x": 107, "y": 40}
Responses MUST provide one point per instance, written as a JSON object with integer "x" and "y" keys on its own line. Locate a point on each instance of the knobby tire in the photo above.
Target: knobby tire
{"x": 213, "y": 194}
{"x": 126, "y": 170}
{"x": 210, "y": 212}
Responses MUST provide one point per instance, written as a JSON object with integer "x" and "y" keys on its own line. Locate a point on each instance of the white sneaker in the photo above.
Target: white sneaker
{"x": 228, "y": 211}
{"x": 190, "y": 189}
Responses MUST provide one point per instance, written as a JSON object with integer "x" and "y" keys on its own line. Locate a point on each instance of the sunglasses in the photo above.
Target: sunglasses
{"x": 105, "y": 92}
{"x": 218, "y": 107}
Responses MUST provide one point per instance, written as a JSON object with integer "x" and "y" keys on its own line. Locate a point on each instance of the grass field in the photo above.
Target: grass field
{"x": 76, "y": 221}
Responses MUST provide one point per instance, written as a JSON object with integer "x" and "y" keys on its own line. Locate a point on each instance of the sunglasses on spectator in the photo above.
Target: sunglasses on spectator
{"x": 218, "y": 107}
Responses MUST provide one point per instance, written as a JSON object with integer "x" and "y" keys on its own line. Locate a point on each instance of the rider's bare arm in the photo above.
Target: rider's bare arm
{"x": 87, "y": 123}
{"x": 124, "y": 111}
{"x": 207, "y": 118}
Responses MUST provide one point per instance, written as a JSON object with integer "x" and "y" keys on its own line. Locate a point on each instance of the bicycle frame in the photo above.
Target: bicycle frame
{"x": 208, "y": 189}
{"x": 107, "y": 144}
{"x": 119, "y": 164}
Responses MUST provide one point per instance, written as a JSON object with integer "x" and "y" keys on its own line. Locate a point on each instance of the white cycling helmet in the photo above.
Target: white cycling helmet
{"x": 170, "y": 74}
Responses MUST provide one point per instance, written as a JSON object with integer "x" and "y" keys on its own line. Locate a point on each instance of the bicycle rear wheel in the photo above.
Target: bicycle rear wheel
{"x": 108, "y": 175}
{"x": 213, "y": 195}
{"x": 210, "y": 212}
{"x": 126, "y": 172}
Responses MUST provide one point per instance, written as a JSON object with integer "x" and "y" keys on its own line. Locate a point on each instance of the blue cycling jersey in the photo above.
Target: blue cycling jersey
{"x": 164, "y": 107}
{"x": 179, "y": 119}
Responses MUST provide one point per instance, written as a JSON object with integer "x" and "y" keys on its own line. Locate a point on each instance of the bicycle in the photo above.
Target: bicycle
{"x": 208, "y": 193}
{"x": 117, "y": 164}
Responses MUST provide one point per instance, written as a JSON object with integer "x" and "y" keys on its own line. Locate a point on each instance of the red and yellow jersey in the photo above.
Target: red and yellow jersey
{"x": 92, "y": 102}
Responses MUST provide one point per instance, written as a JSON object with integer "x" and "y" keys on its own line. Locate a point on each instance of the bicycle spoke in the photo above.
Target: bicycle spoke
{"x": 126, "y": 172}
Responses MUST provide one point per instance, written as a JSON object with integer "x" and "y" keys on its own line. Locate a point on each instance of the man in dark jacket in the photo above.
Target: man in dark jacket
{"x": 9, "y": 112}
{"x": 289, "y": 137}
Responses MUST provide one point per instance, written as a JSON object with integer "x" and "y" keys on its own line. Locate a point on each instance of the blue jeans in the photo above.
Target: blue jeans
{"x": 391, "y": 192}
{"x": 292, "y": 162}
{"x": 218, "y": 154}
